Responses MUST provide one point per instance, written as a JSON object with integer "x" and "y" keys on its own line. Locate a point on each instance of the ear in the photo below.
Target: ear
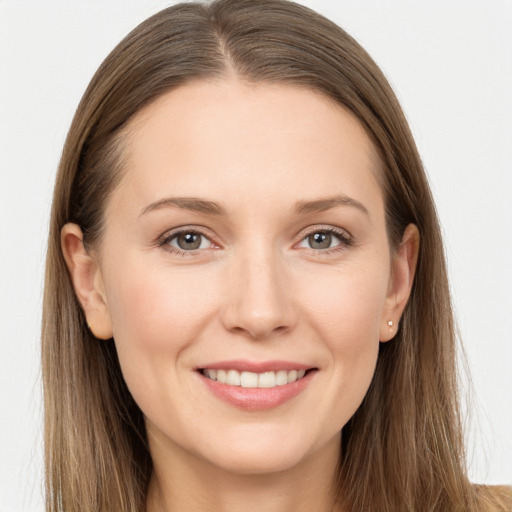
{"x": 87, "y": 281}
{"x": 400, "y": 282}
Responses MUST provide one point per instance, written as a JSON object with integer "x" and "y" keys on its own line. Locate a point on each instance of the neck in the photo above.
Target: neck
{"x": 185, "y": 482}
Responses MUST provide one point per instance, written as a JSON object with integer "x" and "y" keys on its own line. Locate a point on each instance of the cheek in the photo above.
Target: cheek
{"x": 154, "y": 308}
{"x": 346, "y": 312}
{"x": 156, "y": 315}
{"x": 347, "y": 304}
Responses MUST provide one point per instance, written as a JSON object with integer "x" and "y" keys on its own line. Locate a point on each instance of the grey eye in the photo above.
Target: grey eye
{"x": 189, "y": 241}
{"x": 324, "y": 239}
{"x": 320, "y": 240}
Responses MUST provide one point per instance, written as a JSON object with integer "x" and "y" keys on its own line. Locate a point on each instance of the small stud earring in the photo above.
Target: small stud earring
{"x": 390, "y": 323}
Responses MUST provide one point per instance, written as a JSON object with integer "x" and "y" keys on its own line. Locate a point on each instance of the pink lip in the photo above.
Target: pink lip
{"x": 257, "y": 399}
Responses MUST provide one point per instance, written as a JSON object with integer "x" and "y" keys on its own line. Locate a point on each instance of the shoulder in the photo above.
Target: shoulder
{"x": 494, "y": 498}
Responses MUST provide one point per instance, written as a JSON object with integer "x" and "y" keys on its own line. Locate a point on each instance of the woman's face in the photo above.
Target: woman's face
{"x": 247, "y": 242}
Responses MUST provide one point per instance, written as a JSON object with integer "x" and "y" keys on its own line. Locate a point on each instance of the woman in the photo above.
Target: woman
{"x": 246, "y": 302}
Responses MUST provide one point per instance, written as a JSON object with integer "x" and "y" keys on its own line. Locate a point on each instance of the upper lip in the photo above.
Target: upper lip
{"x": 242, "y": 365}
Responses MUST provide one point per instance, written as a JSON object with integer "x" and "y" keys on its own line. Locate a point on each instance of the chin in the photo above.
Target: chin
{"x": 252, "y": 462}
{"x": 264, "y": 452}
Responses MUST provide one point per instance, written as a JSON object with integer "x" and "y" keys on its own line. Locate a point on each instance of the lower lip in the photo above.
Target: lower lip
{"x": 257, "y": 399}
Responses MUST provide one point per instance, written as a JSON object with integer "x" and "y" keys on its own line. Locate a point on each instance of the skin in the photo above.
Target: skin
{"x": 256, "y": 289}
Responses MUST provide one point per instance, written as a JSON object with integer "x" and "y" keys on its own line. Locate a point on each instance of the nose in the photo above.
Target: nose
{"x": 258, "y": 295}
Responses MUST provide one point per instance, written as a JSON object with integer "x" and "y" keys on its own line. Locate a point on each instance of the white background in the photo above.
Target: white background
{"x": 451, "y": 65}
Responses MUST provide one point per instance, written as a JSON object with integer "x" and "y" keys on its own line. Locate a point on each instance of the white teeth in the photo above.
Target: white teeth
{"x": 221, "y": 376}
{"x": 282, "y": 377}
{"x": 254, "y": 380}
{"x": 267, "y": 380}
{"x": 233, "y": 378}
{"x": 249, "y": 380}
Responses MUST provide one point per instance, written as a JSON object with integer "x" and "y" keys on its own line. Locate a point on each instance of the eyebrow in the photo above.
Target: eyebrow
{"x": 211, "y": 208}
{"x": 187, "y": 203}
{"x": 326, "y": 203}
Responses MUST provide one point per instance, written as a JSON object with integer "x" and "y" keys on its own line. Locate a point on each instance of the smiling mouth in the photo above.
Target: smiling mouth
{"x": 247, "y": 379}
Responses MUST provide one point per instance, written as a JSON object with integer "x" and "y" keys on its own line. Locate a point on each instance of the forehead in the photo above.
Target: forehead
{"x": 238, "y": 141}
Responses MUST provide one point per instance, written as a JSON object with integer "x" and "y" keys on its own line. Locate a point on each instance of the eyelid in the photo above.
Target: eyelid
{"x": 164, "y": 239}
{"x": 328, "y": 229}
{"x": 346, "y": 239}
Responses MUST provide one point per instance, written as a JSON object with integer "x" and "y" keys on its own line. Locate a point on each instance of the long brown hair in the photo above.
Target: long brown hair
{"x": 403, "y": 449}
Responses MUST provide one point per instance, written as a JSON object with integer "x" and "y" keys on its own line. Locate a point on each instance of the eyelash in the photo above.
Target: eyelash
{"x": 344, "y": 237}
{"x": 166, "y": 239}
{"x": 346, "y": 241}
